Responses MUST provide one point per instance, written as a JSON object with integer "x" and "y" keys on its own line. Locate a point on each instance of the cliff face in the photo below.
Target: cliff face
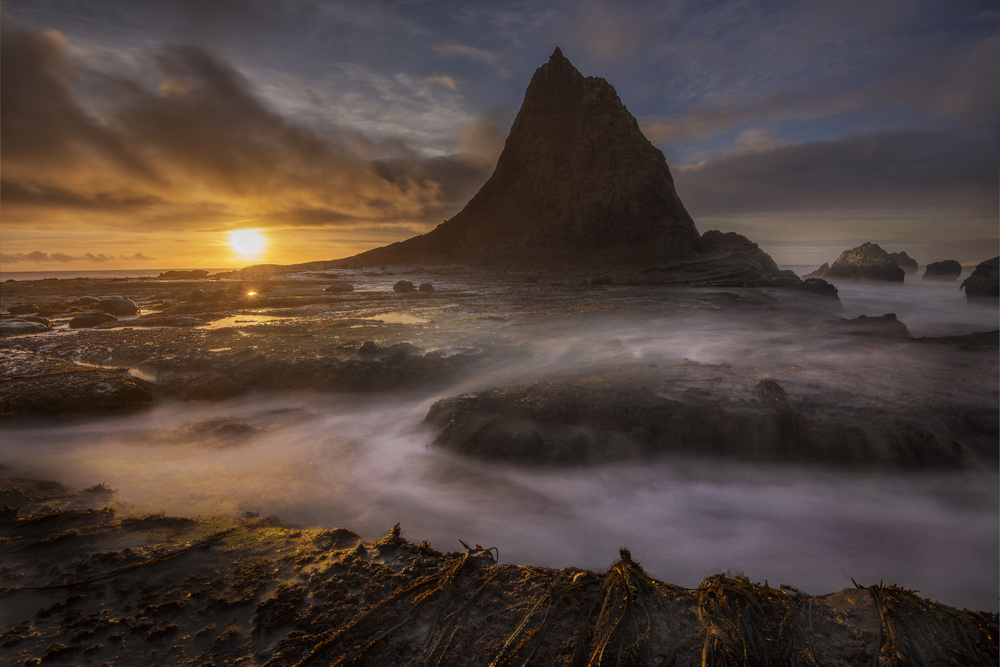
{"x": 576, "y": 181}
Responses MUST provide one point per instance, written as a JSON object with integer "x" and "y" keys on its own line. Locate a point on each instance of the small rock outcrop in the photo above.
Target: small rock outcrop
{"x": 23, "y": 309}
{"x": 884, "y": 326}
{"x": 947, "y": 271}
{"x": 904, "y": 261}
{"x": 866, "y": 262}
{"x": 984, "y": 283}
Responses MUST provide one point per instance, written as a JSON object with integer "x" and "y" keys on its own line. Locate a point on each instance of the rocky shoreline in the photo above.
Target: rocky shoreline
{"x": 84, "y": 582}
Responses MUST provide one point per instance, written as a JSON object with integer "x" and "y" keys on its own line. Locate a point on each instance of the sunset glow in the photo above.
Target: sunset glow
{"x": 247, "y": 244}
{"x": 808, "y": 128}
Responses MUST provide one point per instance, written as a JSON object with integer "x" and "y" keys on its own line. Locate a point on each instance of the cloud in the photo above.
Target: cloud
{"x": 194, "y": 144}
{"x": 39, "y": 257}
{"x": 442, "y": 80}
{"x": 471, "y": 52}
{"x": 951, "y": 173}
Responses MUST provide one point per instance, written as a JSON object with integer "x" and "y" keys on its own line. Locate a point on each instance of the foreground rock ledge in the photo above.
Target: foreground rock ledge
{"x": 224, "y": 591}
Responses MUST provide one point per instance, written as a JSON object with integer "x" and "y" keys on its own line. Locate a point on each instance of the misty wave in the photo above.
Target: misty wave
{"x": 364, "y": 462}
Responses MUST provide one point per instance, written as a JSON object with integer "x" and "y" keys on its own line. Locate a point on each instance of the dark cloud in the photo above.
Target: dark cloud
{"x": 954, "y": 172}
{"x": 196, "y": 136}
{"x": 39, "y": 257}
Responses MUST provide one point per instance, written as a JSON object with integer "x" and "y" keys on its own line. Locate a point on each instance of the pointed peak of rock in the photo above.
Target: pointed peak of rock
{"x": 557, "y": 55}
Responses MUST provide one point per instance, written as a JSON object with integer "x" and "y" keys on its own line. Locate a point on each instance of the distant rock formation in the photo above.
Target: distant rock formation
{"x": 820, "y": 272}
{"x": 194, "y": 274}
{"x": 984, "y": 283}
{"x": 904, "y": 261}
{"x": 577, "y": 182}
{"x": 866, "y": 262}
{"x": 947, "y": 271}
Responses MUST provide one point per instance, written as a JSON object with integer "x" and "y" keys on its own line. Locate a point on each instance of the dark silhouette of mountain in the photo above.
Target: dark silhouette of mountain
{"x": 577, "y": 181}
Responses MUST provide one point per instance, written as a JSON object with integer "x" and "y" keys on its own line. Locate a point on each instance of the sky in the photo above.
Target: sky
{"x": 145, "y": 134}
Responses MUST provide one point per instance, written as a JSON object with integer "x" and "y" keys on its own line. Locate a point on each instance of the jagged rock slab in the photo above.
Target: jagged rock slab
{"x": 85, "y": 584}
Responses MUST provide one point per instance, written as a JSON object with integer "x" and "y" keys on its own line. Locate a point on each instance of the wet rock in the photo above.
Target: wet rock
{"x": 426, "y": 287}
{"x": 904, "y": 261}
{"x": 38, "y": 320}
{"x": 163, "y": 321}
{"x": 773, "y": 394}
{"x": 340, "y": 287}
{"x": 368, "y": 347}
{"x": 17, "y": 327}
{"x": 982, "y": 340}
{"x": 198, "y": 296}
{"x": 23, "y": 309}
{"x": 88, "y": 301}
{"x": 884, "y": 326}
{"x": 819, "y": 287}
{"x": 403, "y": 287}
{"x": 118, "y": 305}
{"x": 91, "y": 319}
{"x": 635, "y": 413}
{"x": 947, "y": 271}
{"x": 38, "y": 384}
{"x": 984, "y": 283}
{"x": 866, "y": 262}
{"x": 195, "y": 274}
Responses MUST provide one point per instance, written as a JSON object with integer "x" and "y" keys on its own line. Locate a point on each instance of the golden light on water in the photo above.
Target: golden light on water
{"x": 247, "y": 243}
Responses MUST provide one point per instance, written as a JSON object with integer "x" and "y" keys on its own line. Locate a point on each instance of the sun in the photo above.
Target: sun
{"x": 247, "y": 243}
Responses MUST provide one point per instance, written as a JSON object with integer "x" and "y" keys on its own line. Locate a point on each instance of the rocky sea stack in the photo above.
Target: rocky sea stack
{"x": 577, "y": 181}
{"x": 866, "y": 262}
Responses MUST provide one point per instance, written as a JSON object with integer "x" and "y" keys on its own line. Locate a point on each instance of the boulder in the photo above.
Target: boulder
{"x": 118, "y": 305}
{"x": 339, "y": 287}
{"x": 198, "y": 296}
{"x": 403, "y": 287}
{"x": 866, "y": 262}
{"x": 984, "y": 283}
{"x": 91, "y": 319}
{"x": 946, "y": 271}
{"x": 17, "y": 327}
{"x": 88, "y": 301}
{"x": 46, "y": 322}
{"x": 426, "y": 287}
{"x": 904, "y": 262}
{"x": 23, "y": 309}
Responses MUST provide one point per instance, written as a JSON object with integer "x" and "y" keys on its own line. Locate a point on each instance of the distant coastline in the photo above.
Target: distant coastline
{"x": 69, "y": 275}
